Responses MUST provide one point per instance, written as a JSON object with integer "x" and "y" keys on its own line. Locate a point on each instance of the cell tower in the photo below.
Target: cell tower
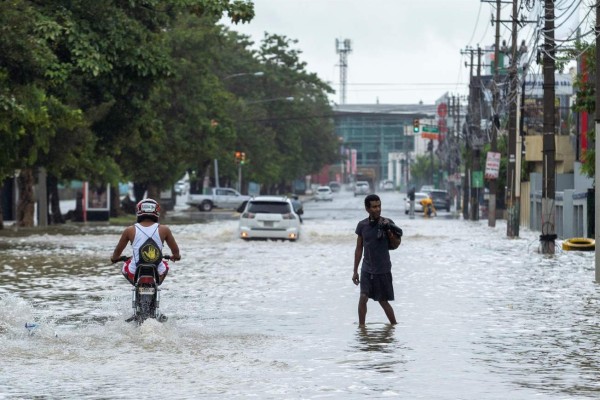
{"x": 343, "y": 48}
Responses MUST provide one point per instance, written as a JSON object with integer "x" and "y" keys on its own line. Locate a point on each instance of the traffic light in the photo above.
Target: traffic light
{"x": 416, "y": 128}
{"x": 243, "y": 158}
{"x": 238, "y": 156}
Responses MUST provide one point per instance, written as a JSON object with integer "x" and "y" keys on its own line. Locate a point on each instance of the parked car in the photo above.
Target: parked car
{"x": 269, "y": 217}
{"x": 335, "y": 186}
{"x": 441, "y": 199}
{"x": 361, "y": 188}
{"x": 386, "y": 185}
{"x": 323, "y": 193}
{"x": 418, "y": 207}
{"x": 217, "y": 197}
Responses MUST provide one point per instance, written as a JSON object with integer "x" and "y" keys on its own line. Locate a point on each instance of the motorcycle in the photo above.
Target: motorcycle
{"x": 146, "y": 293}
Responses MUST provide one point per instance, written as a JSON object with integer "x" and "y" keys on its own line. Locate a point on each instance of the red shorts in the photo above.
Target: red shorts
{"x": 131, "y": 275}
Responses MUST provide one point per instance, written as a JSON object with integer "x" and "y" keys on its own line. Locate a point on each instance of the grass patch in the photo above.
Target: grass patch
{"x": 122, "y": 220}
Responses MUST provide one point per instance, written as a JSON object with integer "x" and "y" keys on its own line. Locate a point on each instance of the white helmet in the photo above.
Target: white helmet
{"x": 148, "y": 207}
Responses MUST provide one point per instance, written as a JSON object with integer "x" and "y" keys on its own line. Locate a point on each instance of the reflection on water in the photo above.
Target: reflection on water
{"x": 378, "y": 339}
{"x": 386, "y": 353}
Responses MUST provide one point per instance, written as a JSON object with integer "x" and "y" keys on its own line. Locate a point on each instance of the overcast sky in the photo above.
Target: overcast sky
{"x": 403, "y": 51}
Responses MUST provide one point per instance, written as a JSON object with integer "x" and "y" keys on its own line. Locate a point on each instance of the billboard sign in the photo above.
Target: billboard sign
{"x": 492, "y": 165}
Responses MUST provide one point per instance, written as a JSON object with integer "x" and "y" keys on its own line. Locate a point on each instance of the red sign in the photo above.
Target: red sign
{"x": 442, "y": 110}
{"x": 429, "y": 135}
{"x": 442, "y": 126}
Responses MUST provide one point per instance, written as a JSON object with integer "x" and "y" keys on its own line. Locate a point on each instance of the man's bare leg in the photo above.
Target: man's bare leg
{"x": 389, "y": 311}
{"x": 362, "y": 309}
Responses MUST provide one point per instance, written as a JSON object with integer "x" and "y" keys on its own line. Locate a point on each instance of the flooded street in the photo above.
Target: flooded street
{"x": 479, "y": 316}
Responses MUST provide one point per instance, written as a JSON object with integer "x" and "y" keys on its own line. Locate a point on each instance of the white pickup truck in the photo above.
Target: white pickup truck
{"x": 219, "y": 197}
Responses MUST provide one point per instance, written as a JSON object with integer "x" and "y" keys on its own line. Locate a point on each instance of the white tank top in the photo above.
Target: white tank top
{"x": 142, "y": 233}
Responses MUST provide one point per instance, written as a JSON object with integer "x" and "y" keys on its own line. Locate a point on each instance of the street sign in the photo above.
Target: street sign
{"x": 492, "y": 165}
{"x": 477, "y": 179}
{"x": 432, "y": 136}
{"x": 429, "y": 128}
{"x": 442, "y": 110}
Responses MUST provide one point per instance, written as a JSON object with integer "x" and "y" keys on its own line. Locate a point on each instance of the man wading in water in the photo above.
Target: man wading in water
{"x": 377, "y": 237}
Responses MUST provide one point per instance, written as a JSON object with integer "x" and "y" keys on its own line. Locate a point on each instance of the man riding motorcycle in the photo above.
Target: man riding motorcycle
{"x": 147, "y": 237}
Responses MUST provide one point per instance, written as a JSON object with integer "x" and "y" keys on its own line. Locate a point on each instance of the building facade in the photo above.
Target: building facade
{"x": 377, "y": 141}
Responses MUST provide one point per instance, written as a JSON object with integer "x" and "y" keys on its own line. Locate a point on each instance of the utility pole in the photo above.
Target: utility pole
{"x": 457, "y": 143}
{"x": 468, "y": 139}
{"x": 548, "y": 235}
{"x": 597, "y": 148}
{"x": 476, "y": 175}
{"x": 512, "y": 207}
{"x": 474, "y": 141}
{"x": 495, "y": 120}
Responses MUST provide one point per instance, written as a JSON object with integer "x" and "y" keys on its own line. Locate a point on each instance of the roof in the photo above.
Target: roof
{"x": 270, "y": 198}
{"x": 416, "y": 110}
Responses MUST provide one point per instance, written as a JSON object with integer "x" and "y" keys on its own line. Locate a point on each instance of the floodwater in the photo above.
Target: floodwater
{"x": 480, "y": 316}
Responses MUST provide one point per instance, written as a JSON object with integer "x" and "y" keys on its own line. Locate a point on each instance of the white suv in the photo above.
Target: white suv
{"x": 269, "y": 217}
{"x": 324, "y": 193}
{"x": 361, "y": 187}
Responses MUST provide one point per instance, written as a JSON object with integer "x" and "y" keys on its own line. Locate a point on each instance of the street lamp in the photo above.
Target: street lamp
{"x": 258, "y": 73}
{"x": 290, "y": 98}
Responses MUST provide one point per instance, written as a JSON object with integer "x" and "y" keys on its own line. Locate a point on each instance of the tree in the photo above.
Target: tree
{"x": 293, "y": 128}
{"x": 93, "y": 65}
{"x": 585, "y": 100}
{"x": 421, "y": 169}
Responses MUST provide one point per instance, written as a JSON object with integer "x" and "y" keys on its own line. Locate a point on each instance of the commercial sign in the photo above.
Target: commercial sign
{"x": 492, "y": 165}
{"x": 563, "y": 85}
{"x": 442, "y": 110}
{"x": 432, "y": 136}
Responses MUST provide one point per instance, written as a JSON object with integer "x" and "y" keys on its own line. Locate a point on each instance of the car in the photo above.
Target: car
{"x": 361, "y": 188}
{"x": 323, "y": 193}
{"x": 426, "y": 188}
{"x": 441, "y": 199}
{"x": 269, "y": 217}
{"x": 418, "y": 197}
{"x": 386, "y": 185}
{"x": 335, "y": 186}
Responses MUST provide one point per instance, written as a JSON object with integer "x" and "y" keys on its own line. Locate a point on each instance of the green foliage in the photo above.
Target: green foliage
{"x": 422, "y": 167}
{"x": 139, "y": 90}
{"x": 585, "y": 100}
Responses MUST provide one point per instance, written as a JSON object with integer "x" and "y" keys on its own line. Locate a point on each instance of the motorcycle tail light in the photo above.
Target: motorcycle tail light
{"x": 146, "y": 279}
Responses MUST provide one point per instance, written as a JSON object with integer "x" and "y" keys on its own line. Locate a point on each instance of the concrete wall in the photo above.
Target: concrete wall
{"x": 570, "y": 206}
{"x": 565, "y": 152}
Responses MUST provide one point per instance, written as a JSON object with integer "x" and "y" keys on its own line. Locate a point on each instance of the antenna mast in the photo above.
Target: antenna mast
{"x": 343, "y": 47}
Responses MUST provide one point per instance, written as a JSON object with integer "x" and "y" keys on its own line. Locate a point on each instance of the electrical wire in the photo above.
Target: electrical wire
{"x": 476, "y": 24}
{"x": 560, "y": 17}
{"x": 570, "y": 38}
